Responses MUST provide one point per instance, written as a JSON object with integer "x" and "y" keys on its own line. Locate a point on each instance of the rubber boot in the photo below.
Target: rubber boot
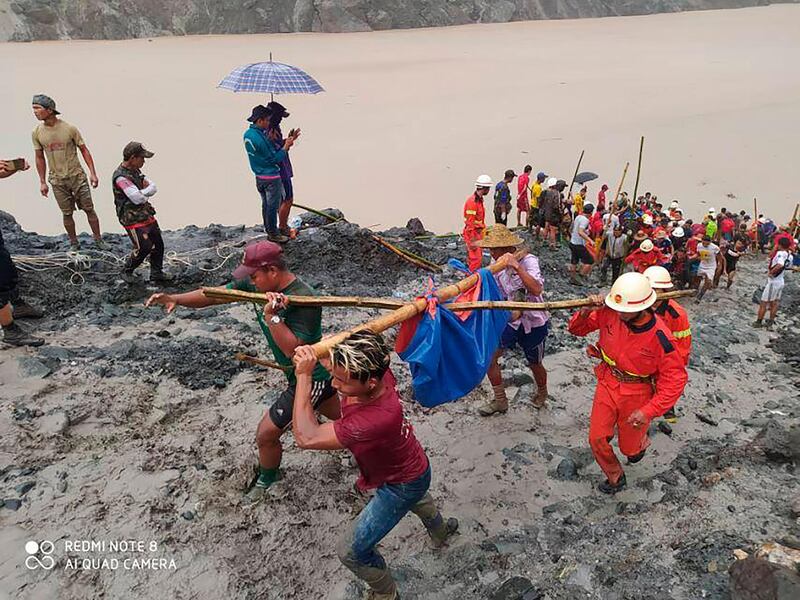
{"x": 14, "y": 335}
{"x": 23, "y": 310}
{"x": 380, "y": 581}
{"x": 612, "y": 488}
{"x": 160, "y": 277}
{"x": 438, "y": 528}
{"x": 540, "y": 376}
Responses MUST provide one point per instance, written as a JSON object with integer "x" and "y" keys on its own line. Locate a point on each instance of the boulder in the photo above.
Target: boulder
{"x": 758, "y": 579}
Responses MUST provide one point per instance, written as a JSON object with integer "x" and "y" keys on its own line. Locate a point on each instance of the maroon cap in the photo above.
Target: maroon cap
{"x": 257, "y": 256}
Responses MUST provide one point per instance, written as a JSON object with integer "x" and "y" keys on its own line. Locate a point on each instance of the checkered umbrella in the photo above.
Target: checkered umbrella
{"x": 272, "y": 78}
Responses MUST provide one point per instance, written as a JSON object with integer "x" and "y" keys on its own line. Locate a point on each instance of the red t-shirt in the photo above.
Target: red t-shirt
{"x": 381, "y": 439}
{"x": 691, "y": 245}
{"x": 727, "y": 226}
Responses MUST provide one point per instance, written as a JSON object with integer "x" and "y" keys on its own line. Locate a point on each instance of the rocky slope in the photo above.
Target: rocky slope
{"x": 130, "y": 424}
{"x": 24, "y": 20}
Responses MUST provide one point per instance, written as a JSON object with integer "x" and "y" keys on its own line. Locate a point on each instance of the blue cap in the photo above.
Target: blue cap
{"x": 541, "y": 175}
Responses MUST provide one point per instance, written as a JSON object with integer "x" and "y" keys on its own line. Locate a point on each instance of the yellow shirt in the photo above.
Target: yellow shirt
{"x": 537, "y": 191}
{"x": 577, "y": 204}
{"x": 60, "y": 144}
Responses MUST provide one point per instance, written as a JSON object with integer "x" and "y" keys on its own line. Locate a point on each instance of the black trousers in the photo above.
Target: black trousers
{"x": 616, "y": 267}
{"x": 147, "y": 242}
{"x": 9, "y": 277}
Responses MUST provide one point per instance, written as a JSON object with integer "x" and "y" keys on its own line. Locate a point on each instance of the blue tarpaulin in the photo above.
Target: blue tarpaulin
{"x": 449, "y": 355}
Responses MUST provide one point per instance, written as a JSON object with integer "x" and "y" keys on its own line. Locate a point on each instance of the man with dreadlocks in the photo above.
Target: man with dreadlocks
{"x": 391, "y": 460}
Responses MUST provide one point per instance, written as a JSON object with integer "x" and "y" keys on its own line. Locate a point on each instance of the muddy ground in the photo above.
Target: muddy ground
{"x": 133, "y": 425}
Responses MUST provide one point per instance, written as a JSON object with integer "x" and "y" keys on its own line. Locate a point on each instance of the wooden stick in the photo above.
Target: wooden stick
{"x": 554, "y": 305}
{"x": 260, "y": 362}
{"x": 411, "y": 309}
{"x": 638, "y": 171}
{"x": 259, "y": 298}
{"x": 577, "y": 169}
{"x": 619, "y": 188}
{"x": 410, "y": 257}
{"x": 415, "y": 260}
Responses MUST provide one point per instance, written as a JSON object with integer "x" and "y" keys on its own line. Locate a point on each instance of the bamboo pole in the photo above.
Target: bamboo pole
{"x": 407, "y": 255}
{"x": 554, "y": 305}
{"x": 410, "y": 310}
{"x": 638, "y": 171}
{"x": 577, "y": 169}
{"x": 259, "y": 298}
{"x": 619, "y": 188}
{"x": 261, "y": 362}
{"x": 388, "y": 304}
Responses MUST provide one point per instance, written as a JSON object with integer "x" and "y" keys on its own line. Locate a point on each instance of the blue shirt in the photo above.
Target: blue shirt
{"x": 264, "y": 157}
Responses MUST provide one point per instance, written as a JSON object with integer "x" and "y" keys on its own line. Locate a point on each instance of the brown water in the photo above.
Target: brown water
{"x": 410, "y": 118}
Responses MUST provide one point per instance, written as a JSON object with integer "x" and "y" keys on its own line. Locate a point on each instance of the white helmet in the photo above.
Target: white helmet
{"x": 647, "y": 220}
{"x": 711, "y": 210}
{"x": 673, "y": 204}
{"x": 678, "y": 232}
{"x": 551, "y": 182}
{"x": 483, "y": 181}
{"x": 646, "y": 246}
{"x": 631, "y": 293}
{"x": 659, "y": 277}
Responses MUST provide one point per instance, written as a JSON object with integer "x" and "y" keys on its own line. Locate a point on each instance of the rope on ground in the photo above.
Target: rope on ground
{"x": 76, "y": 263}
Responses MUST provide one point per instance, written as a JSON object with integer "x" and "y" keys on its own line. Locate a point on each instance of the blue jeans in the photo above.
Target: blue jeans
{"x": 272, "y": 194}
{"x": 389, "y": 505}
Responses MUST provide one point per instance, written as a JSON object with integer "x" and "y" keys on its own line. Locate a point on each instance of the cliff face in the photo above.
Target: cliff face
{"x": 25, "y": 20}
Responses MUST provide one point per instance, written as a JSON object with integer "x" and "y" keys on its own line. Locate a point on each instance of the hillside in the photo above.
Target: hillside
{"x": 26, "y": 20}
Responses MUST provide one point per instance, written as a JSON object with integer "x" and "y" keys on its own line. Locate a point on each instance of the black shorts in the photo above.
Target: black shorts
{"x": 580, "y": 254}
{"x": 280, "y": 413}
{"x": 730, "y": 263}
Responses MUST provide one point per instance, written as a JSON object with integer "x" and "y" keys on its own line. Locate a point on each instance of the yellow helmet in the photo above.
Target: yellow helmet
{"x": 631, "y": 293}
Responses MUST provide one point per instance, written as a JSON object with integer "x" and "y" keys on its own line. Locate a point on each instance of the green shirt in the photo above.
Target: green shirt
{"x": 305, "y": 322}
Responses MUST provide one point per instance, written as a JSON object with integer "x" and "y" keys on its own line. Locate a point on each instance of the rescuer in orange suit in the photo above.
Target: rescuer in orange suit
{"x": 674, "y": 317}
{"x": 640, "y": 375}
{"x": 474, "y": 224}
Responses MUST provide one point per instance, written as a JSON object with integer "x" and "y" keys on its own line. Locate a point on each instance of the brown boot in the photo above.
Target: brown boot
{"x": 540, "y": 376}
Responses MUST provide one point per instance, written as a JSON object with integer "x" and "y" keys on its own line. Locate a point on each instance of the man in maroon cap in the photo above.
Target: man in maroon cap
{"x": 286, "y": 327}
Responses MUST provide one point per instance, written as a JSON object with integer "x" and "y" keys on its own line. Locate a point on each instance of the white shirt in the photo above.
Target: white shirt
{"x": 581, "y": 222}
{"x": 708, "y": 256}
{"x": 781, "y": 258}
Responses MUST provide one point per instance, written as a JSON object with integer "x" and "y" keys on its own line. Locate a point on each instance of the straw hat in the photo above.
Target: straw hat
{"x": 640, "y": 236}
{"x": 499, "y": 236}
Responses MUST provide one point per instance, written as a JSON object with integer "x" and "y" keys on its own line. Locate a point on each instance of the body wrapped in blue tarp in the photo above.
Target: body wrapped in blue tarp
{"x": 447, "y": 353}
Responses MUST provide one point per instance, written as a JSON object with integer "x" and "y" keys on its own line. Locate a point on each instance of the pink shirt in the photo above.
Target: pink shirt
{"x": 513, "y": 289}
{"x": 522, "y": 186}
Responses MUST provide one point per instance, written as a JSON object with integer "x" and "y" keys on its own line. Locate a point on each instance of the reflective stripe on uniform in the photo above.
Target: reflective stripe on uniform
{"x": 612, "y": 363}
{"x": 682, "y": 334}
{"x": 471, "y": 212}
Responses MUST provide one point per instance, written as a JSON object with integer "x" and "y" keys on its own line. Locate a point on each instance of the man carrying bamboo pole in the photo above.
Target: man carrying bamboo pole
{"x": 390, "y": 458}
{"x": 520, "y": 281}
{"x": 264, "y": 269}
{"x": 639, "y": 377}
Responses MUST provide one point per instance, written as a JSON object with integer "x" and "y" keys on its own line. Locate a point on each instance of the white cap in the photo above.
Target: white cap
{"x": 483, "y": 181}
{"x": 631, "y": 293}
{"x": 762, "y": 220}
{"x": 646, "y": 245}
{"x": 551, "y": 182}
{"x": 678, "y": 232}
{"x": 659, "y": 277}
{"x": 711, "y": 210}
{"x": 673, "y": 204}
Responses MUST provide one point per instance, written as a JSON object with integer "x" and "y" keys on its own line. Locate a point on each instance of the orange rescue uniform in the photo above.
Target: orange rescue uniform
{"x": 640, "y": 369}
{"x": 677, "y": 321}
{"x": 641, "y": 260}
{"x": 474, "y": 225}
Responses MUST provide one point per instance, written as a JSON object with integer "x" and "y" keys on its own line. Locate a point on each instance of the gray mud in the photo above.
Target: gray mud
{"x": 133, "y": 424}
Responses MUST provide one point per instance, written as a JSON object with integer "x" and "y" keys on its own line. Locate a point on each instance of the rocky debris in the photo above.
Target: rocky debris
{"x": 31, "y": 367}
{"x": 567, "y": 470}
{"x": 757, "y": 579}
{"x": 98, "y": 19}
{"x": 12, "y": 504}
{"x": 517, "y": 588}
{"x": 54, "y": 423}
{"x": 779, "y": 443}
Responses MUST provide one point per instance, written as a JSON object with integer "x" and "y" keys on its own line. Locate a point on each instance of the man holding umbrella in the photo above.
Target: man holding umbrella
{"x": 265, "y": 162}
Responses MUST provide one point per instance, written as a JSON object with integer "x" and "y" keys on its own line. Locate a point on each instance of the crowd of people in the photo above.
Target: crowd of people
{"x": 642, "y": 351}
{"x": 620, "y": 234}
